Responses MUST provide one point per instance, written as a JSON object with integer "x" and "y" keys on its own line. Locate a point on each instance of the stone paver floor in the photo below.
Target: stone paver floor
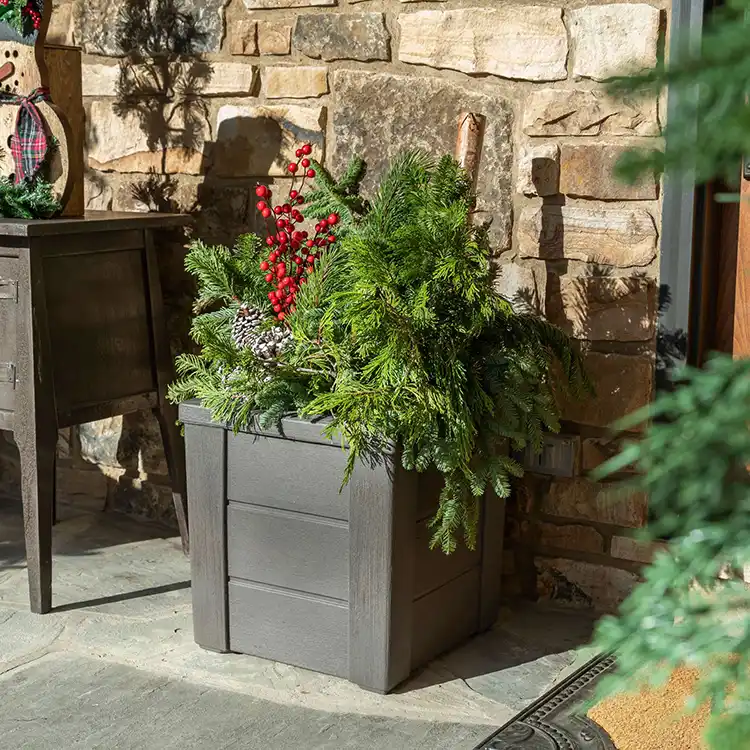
{"x": 115, "y": 665}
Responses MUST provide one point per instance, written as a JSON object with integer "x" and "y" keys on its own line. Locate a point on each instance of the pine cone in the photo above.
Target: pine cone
{"x": 269, "y": 344}
{"x": 246, "y": 321}
{"x": 266, "y": 345}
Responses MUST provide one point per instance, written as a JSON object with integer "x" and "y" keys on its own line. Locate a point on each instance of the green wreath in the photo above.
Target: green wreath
{"x": 25, "y": 16}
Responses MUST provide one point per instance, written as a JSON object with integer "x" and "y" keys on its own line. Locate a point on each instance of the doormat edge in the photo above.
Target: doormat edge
{"x": 551, "y": 722}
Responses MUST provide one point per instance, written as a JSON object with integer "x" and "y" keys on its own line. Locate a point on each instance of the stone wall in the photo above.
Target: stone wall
{"x": 243, "y": 82}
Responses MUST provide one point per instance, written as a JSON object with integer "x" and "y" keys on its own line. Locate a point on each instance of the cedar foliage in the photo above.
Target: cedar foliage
{"x": 692, "y": 462}
{"x": 399, "y": 336}
{"x": 693, "y": 458}
{"x": 707, "y": 133}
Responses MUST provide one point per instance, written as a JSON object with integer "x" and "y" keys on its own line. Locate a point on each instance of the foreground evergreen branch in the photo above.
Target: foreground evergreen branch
{"x": 692, "y": 463}
{"x": 399, "y": 336}
{"x": 708, "y": 128}
{"x": 27, "y": 200}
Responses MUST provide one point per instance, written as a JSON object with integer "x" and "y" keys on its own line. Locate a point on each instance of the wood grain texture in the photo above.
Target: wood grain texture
{"x": 305, "y": 553}
{"x": 9, "y": 310}
{"x": 433, "y": 568}
{"x": 166, "y": 413}
{"x": 289, "y": 627}
{"x": 66, "y": 89}
{"x": 100, "y": 317}
{"x": 294, "y": 475}
{"x": 741, "y": 331}
{"x": 90, "y": 222}
{"x": 382, "y": 522}
{"x": 492, "y": 536}
{"x": 36, "y": 429}
{"x": 445, "y": 618}
{"x": 723, "y": 339}
{"x": 206, "y": 475}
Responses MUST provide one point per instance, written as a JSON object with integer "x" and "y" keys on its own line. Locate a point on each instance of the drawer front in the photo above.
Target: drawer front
{"x": 279, "y": 548}
{"x": 290, "y": 628}
{"x": 286, "y": 474}
{"x": 9, "y": 306}
{"x": 99, "y": 324}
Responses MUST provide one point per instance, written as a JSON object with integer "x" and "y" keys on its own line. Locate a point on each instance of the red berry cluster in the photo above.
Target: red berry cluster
{"x": 31, "y": 11}
{"x": 293, "y": 253}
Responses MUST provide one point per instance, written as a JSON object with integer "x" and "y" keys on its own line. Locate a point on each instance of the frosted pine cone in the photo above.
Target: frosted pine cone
{"x": 269, "y": 344}
{"x": 245, "y": 323}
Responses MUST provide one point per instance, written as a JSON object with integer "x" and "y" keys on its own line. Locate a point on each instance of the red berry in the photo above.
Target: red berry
{"x": 333, "y": 219}
{"x": 300, "y": 199}
{"x": 310, "y": 243}
{"x": 266, "y": 212}
{"x": 281, "y": 316}
{"x": 293, "y": 194}
{"x": 305, "y": 162}
{"x": 311, "y": 173}
{"x": 286, "y": 208}
{"x": 277, "y": 210}
{"x": 261, "y": 191}
{"x": 280, "y": 223}
{"x": 270, "y": 241}
{"x": 298, "y": 153}
{"x": 296, "y": 259}
{"x": 311, "y": 259}
{"x": 307, "y": 149}
{"x": 282, "y": 237}
{"x": 277, "y": 295}
{"x": 281, "y": 270}
{"x": 272, "y": 296}
{"x": 331, "y": 238}
{"x": 277, "y": 308}
{"x": 269, "y": 277}
{"x": 260, "y": 205}
{"x": 292, "y": 168}
{"x": 264, "y": 266}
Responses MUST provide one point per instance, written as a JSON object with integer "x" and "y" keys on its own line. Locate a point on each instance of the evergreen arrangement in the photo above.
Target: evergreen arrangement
{"x": 384, "y": 316}
{"x": 28, "y": 199}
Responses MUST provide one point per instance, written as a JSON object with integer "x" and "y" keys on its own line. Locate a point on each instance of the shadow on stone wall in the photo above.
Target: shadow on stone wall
{"x": 164, "y": 84}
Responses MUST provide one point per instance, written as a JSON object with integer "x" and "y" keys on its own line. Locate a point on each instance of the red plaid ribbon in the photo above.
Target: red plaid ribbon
{"x": 29, "y": 142}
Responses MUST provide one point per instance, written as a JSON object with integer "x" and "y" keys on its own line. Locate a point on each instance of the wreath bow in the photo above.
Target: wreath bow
{"x": 29, "y": 143}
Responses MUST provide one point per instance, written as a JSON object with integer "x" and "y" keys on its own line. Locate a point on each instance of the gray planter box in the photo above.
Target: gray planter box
{"x": 286, "y": 567}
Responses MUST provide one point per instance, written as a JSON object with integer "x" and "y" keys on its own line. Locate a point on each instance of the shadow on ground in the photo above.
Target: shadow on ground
{"x": 108, "y": 550}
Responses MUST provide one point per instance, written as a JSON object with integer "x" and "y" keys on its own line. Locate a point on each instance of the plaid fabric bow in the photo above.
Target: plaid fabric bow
{"x": 29, "y": 144}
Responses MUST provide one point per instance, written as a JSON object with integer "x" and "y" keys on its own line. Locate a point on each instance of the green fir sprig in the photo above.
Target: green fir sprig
{"x": 27, "y": 200}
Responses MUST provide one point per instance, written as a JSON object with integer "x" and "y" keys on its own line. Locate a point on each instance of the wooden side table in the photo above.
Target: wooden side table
{"x": 82, "y": 337}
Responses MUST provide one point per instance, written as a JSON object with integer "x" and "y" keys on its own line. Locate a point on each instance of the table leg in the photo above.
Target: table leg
{"x": 37, "y": 451}
{"x": 174, "y": 449}
{"x": 35, "y": 427}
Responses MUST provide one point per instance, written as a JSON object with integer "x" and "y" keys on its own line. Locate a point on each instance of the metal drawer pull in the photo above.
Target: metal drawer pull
{"x": 8, "y": 372}
{"x": 8, "y": 289}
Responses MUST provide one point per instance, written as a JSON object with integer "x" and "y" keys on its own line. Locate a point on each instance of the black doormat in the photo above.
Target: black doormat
{"x": 558, "y": 721}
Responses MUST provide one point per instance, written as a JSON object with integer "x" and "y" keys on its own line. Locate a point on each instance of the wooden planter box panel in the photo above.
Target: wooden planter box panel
{"x": 288, "y": 568}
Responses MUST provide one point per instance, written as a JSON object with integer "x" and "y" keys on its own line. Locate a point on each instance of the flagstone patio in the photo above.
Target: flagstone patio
{"x": 114, "y": 665}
